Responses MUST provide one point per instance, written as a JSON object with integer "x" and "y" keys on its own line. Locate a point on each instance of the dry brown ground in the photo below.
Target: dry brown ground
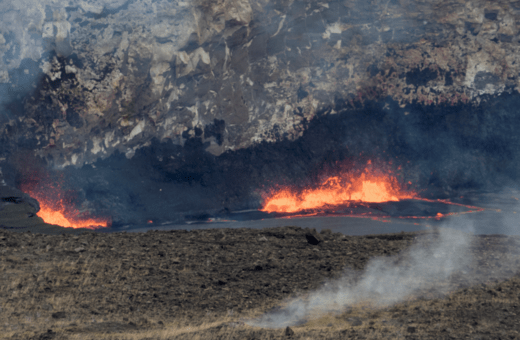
{"x": 204, "y": 284}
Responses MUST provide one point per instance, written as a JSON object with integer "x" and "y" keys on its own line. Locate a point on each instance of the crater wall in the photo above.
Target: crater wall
{"x": 82, "y": 79}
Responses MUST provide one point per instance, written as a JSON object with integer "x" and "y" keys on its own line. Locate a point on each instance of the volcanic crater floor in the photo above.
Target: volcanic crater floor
{"x": 206, "y": 284}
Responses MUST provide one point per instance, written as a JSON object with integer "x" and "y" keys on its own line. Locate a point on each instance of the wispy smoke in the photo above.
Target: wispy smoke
{"x": 385, "y": 281}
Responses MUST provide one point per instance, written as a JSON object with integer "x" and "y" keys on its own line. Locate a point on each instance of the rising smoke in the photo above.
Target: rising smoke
{"x": 385, "y": 281}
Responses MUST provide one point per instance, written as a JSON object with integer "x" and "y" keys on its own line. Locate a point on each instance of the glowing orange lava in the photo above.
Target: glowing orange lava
{"x": 54, "y": 212}
{"x": 52, "y": 216}
{"x": 369, "y": 187}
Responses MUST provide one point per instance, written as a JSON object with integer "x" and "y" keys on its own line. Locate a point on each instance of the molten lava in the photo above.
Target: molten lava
{"x": 53, "y": 216}
{"x": 54, "y": 209}
{"x": 369, "y": 187}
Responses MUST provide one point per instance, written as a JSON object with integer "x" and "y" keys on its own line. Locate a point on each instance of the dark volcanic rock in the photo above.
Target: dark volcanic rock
{"x": 313, "y": 237}
{"x": 59, "y": 315}
{"x": 15, "y": 196}
{"x": 50, "y": 334}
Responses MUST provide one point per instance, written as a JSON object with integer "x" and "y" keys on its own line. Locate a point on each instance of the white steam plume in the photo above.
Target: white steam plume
{"x": 385, "y": 280}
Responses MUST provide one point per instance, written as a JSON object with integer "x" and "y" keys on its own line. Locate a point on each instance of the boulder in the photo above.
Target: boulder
{"x": 313, "y": 237}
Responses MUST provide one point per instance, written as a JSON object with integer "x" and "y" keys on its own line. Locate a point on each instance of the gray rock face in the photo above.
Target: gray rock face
{"x": 80, "y": 79}
{"x": 10, "y": 195}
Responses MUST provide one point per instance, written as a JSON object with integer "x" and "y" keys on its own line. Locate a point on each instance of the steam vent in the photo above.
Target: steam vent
{"x": 137, "y": 112}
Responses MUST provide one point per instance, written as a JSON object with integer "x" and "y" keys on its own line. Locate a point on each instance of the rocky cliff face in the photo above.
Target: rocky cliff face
{"x": 85, "y": 80}
{"x": 81, "y": 79}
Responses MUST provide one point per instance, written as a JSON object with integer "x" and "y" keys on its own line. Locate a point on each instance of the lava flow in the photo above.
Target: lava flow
{"x": 55, "y": 210}
{"x": 338, "y": 190}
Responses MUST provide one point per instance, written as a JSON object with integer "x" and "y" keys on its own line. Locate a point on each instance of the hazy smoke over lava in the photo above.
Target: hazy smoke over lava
{"x": 385, "y": 281}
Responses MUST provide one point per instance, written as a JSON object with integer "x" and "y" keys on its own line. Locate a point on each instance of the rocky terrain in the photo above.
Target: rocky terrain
{"x": 209, "y": 284}
{"x": 82, "y": 79}
{"x": 177, "y": 111}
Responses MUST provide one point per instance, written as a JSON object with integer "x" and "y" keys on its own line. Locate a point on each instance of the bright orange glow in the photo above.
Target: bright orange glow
{"x": 54, "y": 211}
{"x": 338, "y": 190}
{"x": 52, "y": 216}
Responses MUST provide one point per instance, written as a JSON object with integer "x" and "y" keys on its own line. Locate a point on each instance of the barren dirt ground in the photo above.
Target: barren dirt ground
{"x": 206, "y": 284}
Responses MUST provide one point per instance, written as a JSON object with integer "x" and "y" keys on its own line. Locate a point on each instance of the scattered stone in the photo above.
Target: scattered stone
{"x": 154, "y": 286}
{"x": 313, "y": 237}
{"x": 59, "y": 315}
{"x": 50, "y": 334}
{"x": 289, "y": 332}
{"x": 355, "y": 321}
